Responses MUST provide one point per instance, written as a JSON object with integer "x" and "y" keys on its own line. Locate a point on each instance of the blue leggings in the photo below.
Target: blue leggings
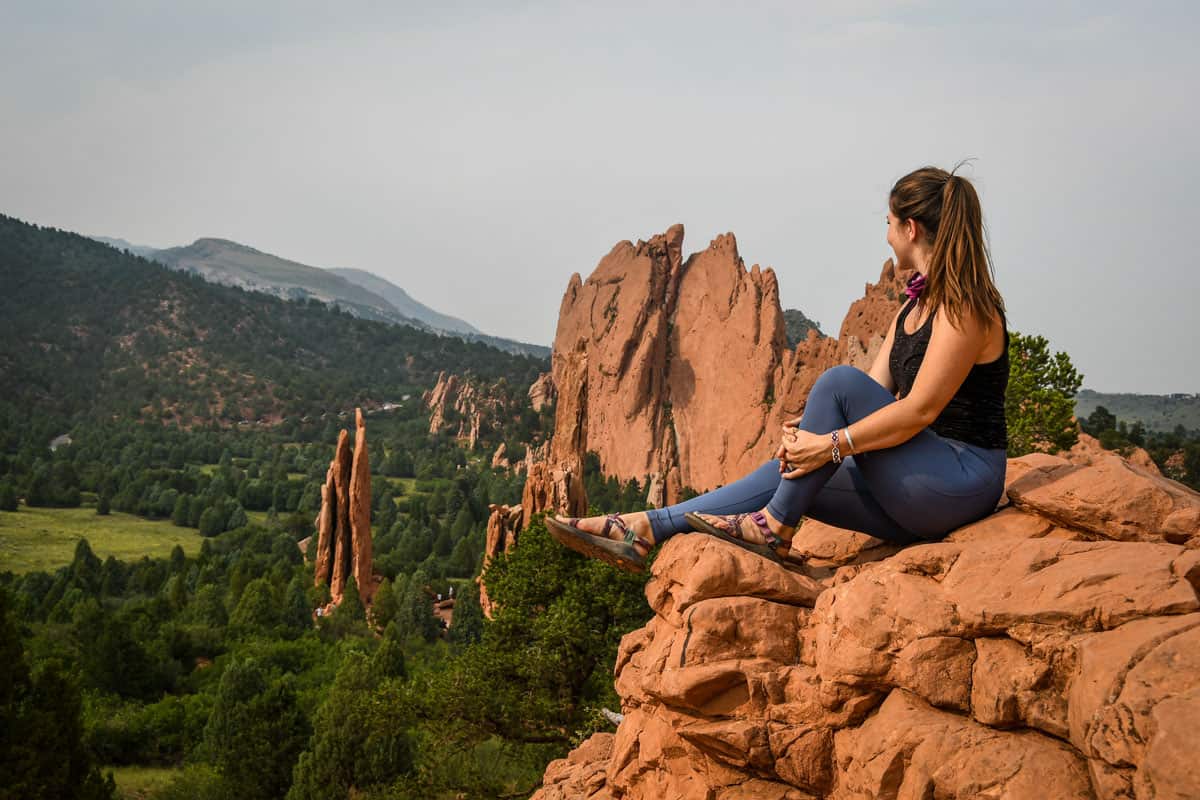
{"x": 918, "y": 490}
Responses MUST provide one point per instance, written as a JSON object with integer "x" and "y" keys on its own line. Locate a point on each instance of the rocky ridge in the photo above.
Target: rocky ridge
{"x": 647, "y": 328}
{"x": 1051, "y": 649}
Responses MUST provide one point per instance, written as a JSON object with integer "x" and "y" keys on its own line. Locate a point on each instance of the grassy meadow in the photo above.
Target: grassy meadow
{"x": 44, "y": 538}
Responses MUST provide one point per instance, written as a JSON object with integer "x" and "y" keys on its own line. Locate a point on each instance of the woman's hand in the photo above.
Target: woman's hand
{"x": 801, "y": 452}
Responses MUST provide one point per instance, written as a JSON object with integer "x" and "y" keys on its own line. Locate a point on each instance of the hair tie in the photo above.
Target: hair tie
{"x": 916, "y": 283}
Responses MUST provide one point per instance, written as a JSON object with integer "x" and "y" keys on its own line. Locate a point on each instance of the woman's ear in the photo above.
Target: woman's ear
{"x": 911, "y": 229}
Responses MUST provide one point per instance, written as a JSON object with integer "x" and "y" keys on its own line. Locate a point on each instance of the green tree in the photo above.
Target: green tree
{"x": 360, "y": 737}
{"x": 42, "y": 752}
{"x": 414, "y": 615}
{"x": 255, "y": 731}
{"x": 1040, "y": 402}
{"x": 297, "y": 613}
{"x": 212, "y": 521}
{"x": 388, "y": 660}
{"x": 257, "y": 611}
{"x": 466, "y": 627}
{"x": 1101, "y": 420}
{"x": 8, "y": 497}
{"x": 385, "y": 603}
{"x": 103, "y": 505}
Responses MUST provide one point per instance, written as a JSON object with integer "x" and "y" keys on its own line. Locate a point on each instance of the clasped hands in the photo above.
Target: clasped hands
{"x": 801, "y": 451}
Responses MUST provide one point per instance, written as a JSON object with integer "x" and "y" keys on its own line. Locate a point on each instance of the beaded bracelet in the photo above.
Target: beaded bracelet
{"x": 837, "y": 454}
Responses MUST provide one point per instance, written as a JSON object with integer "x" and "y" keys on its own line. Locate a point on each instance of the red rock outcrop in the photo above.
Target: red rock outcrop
{"x": 1088, "y": 450}
{"x": 503, "y": 526}
{"x": 475, "y": 406}
{"x": 344, "y": 521}
{"x": 554, "y": 470}
{"x": 342, "y": 538}
{"x": 677, "y": 372}
{"x": 542, "y": 392}
{"x": 1048, "y": 650}
{"x": 499, "y": 459}
{"x": 360, "y": 506}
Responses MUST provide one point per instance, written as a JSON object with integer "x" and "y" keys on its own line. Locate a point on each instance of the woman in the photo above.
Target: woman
{"x": 908, "y": 452}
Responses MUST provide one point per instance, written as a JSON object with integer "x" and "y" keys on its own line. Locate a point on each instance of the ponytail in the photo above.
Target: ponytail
{"x": 959, "y": 273}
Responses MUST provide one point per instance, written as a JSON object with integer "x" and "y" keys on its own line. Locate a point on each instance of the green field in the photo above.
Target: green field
{"x": 44, "y": 538}
{"x": 136, "y": 783}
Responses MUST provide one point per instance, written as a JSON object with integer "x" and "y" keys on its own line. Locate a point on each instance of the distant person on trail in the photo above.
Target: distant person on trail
{"x": 907, "y": 452}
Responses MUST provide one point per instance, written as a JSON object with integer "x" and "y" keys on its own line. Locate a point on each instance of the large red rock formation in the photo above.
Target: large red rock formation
{"x": 326, "y": 525}
{"x": 679, "y": 371}
{"x": 360, "y": 506}
{"x": 503, "y": 527}
{"x": 342, "y": 539}
{"x": 554, "y": 471}
{"x": 344, "y": 521}
{"x": 475, "y": 405}
{"x": 1049, "y": 650}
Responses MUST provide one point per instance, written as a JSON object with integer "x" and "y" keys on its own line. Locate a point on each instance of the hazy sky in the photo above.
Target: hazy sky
{"x": 478, "y": 156}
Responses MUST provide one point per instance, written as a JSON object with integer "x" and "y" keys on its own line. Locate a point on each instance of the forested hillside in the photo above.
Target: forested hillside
{"x": 88, "y": 330}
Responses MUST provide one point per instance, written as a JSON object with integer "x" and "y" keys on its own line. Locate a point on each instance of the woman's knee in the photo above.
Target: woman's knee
{"x": 841, "y": 380}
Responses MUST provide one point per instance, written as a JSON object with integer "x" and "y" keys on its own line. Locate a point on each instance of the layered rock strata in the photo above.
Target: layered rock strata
{"x": 678, "y": 372}
{"x": 344, "y": 521}
{"x": 1049, "y": 650}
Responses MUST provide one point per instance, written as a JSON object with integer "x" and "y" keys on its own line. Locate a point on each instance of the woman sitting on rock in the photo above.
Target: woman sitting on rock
{"x": 908, "y": 452}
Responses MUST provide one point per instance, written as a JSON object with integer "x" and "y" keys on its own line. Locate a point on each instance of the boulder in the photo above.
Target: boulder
{"x": 1022, "y": 656}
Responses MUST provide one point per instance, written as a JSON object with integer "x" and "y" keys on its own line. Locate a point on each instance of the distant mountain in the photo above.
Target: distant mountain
{"x": 121, "y": 244}
{"x": 1157, "y": 412}
{"x": 87, "y": 330}
{"x": 403, "y": 302}
{"x": 360, "y": 293}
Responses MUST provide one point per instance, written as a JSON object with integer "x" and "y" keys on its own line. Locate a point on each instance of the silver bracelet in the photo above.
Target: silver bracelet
{"x": 850, "y": 441}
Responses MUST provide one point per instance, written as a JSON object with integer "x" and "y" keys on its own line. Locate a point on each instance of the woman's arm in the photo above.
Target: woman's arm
{"x": 950, "y": 355}
{"x": 881, "y": 370}
{"x": 948, "y": 359}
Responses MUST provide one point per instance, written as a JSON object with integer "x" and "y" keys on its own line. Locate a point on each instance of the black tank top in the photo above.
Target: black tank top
{"x": 975, "y": 414}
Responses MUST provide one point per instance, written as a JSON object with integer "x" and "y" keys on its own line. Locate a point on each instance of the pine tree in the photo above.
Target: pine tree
{"x": 1040, "y": 402}
{"x": 466, "y": 626}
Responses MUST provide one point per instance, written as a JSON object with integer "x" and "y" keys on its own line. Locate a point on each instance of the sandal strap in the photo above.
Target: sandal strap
{"x": 773, "y": 541}
{"x": 615, "y": 519}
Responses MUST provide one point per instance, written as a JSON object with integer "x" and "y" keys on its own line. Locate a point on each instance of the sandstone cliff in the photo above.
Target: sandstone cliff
{"x": 1051, "y": 650}
{"x": 503, "y": 527}
{"x": 678, "y": 372}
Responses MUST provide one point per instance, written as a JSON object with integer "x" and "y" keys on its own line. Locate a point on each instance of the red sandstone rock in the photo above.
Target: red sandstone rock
{"x": 344, "y": 521}
{"x": 499, "y": 459}
{"x": 1008, "y": 661}
{"x": 475, "y": 406}
{"x": 1109, "y": 498}
{"x": 342, "y": 538}
{"x": 1048, "y": 650}
{"x": 326, "y": 524}
{"x": 503, "y": 526}
{"x": 542, "y": 392}
{"x": 360, "y": 509}
{"x": 678, "y": 373}
{"x": 554, "y": 471}
{"x": 1088, "y": 451}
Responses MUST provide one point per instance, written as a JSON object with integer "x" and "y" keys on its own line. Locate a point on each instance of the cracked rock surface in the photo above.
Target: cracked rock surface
{"x": 1051, "y": 650}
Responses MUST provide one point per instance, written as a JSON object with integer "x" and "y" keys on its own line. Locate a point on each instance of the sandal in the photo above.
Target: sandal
{"x": 622, "y": 555}
{"x": 773, "y": 541}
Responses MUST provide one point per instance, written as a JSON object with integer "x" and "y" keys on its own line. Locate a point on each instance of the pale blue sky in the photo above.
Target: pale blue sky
{"x": 478, "y": 155}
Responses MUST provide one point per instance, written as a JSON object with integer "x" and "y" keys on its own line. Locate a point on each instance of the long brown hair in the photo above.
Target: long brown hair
{"x": 959, "y": 274}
